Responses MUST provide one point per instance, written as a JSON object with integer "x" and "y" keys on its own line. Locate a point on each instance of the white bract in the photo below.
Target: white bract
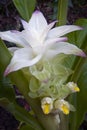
{"x": 38, "y": 42}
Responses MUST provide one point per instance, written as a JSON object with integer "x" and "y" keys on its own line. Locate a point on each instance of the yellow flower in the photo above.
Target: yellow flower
{"x": 63, "y": 106}
{"x": 47, "y": 105}
{"x": 73, "y": 87}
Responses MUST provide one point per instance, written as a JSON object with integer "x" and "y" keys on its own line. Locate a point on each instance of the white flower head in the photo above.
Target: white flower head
{"x": 38, "y": 41}
{"x": 47, "y": 105}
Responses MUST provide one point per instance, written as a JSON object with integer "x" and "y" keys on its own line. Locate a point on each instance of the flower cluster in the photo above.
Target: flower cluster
{"x": 50, "y": 105}
{"x": 42, "y": 48}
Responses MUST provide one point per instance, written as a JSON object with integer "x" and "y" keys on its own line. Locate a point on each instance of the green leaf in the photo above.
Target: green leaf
{"x": 20, "y": 113}
{"x": 82, "y": 96}
{"x": 80, "y": 77}
{"x": 18, "y": 78}
{"x": 25, "y": 8}
{"x": 4, "y": 102}
{"x": 6, "y": 88}
{"x": 26, "y": 127}
{"x": 78, "y": 37}
{"x": 62, "y": 12}
{"x": 80, "y": 100}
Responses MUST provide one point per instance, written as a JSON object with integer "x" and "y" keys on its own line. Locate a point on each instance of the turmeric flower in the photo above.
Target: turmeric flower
{"x": 38, "y": 41}
{"x": 64, "y": 106}
{"x": 47, "y": 105}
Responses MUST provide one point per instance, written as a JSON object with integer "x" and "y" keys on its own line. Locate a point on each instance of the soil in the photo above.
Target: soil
{"x": 10, "y": 19}
{"x": 7, "y": 120}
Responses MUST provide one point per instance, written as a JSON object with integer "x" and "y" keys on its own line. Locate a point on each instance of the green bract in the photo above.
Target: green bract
{"x": 49, "y": 80}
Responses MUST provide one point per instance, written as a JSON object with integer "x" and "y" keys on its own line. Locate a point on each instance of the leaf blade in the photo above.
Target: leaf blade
{"x": 25, "y": 7}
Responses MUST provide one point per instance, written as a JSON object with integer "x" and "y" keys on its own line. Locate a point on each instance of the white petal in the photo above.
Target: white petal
{"x": 31, "y": 38}
{"x": 51, "y": 41}
{"x": 46, "y": 30}
{"x": 25, "y": 24}
{"x": 22, "y": 58}
{"x": 37, "y": 28}
{"x": 47, "y": 49}
{"x": 37, "y": 21}
{"x": 62, "y": 30}
{"x": 13, "y": 49}
{"x": 14, "y": 37}
{"x": 64, "y": 47}
{"x": 35, "y": 38}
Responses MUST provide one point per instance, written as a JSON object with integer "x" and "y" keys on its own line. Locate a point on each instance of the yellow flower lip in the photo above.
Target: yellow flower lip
{"x": 76, "y": 89}
{"x": 46, "y": 108}
{"x": 65, "y": 109}
{"x": 63, "y": 106}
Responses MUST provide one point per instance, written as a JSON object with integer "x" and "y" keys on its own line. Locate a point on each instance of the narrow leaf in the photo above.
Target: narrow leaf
{"x": 80, "y": 76}
{"x": 62, "y": 12}
{"x": 18, "y": 78}
{"x": 25, "y": 7}
{"x": 20, "y": 113}
{"x": 26, "y": 127}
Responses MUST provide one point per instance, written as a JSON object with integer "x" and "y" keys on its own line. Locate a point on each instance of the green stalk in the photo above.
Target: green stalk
{"x": 49, "y": 122}
{"x": 62, "y": 12}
